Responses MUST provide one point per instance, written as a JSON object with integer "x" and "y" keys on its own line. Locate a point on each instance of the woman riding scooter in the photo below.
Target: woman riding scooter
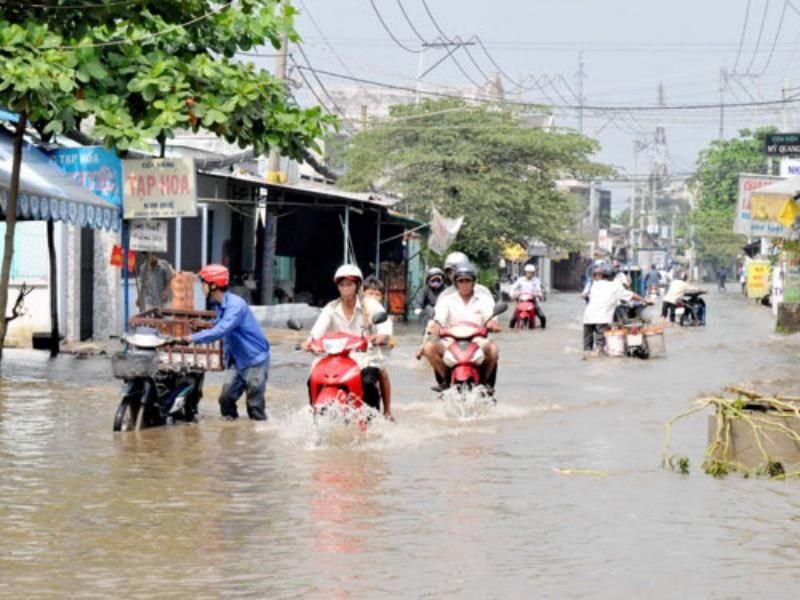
{"x": 352, "y": 314}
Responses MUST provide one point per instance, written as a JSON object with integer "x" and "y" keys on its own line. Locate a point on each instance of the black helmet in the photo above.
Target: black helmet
{"x": 609, "y": 271}
{"x": 465, "y": 271}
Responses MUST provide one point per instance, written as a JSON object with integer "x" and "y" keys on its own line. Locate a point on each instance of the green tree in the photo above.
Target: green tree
{"x": 716, "y": 184}
{"x": 141, "y": 70}
{"x": 485, "y": 162}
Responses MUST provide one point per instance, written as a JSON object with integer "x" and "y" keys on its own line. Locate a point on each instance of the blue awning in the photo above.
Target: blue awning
{"x": 47, "y": 192}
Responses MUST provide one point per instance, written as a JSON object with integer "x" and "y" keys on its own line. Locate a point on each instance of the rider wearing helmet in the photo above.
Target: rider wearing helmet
{"x": 351, "y": 313}
{"x": 530, "y": 284}
{"x": 245, "y": 347}
{"x": 606, "y": 294}
{"x": 451, "y": 262}
{"x": 465, "y": 305}
{"x": 434, "y": 285}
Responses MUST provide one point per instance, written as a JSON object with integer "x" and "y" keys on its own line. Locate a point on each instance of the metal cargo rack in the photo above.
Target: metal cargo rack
{"x": 178, "y": 322}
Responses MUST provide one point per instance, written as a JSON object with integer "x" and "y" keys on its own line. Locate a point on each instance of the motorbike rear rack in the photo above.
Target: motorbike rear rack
{"x": 177, "y": 322}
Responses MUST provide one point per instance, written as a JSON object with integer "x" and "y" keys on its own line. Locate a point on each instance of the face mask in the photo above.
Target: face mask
{"x": 435, "y": 282}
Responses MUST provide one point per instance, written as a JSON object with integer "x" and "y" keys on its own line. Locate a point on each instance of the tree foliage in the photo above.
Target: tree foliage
{"x": 485, "y": 162}
{"x": 145, "y": 68}
{"x": 716, "y": 183}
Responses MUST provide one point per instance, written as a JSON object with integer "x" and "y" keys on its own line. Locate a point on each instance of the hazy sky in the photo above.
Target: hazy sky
{"x": 629, "y": 46}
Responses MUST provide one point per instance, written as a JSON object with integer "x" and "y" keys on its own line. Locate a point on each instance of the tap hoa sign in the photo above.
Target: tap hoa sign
{"x": 159, "y": 187}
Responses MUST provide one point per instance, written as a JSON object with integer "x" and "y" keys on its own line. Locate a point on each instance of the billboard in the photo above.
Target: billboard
{"x": 95, "y": 168}
{"x": 743, "y": 222}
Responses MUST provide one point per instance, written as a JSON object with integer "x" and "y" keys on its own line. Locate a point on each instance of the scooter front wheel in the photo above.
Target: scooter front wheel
{"x": 129, "y": 415}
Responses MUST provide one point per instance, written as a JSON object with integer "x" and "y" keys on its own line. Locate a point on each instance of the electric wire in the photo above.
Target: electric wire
{"x": 411, "y": 23}
{"x": 389, "y": 31}
{"x": 325, "y": 91}
{"x": 775, "y": 40}
{"x": 741, "y": 39}
{"x": 793, "y": 99}
{"x": 447, "y": 39}
{"x": 760, "y": 33}
{"x": 324, "y": 39}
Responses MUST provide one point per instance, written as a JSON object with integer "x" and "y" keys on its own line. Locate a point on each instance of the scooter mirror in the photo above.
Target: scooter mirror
{"x": 379, "y": 318}
{"x": 294, "y": 325}
{"x": 499, "y": 308}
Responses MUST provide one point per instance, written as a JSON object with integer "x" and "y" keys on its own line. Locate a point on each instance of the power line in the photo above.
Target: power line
{"x": 321, "y": 85}
{"x": 324, "y": 39}
{"x": 775, "y": 40}
{"x": 760, "y": 33}
{"x": 447, "y": 39}
{"x": 410, "y": 22}
{"x": 389, "y": 31}
{"x": 794, "y": 99}
{"x": 741, "y": 39}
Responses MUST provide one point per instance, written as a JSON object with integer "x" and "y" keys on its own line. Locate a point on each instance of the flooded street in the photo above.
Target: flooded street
{"x": 558, "y": 491}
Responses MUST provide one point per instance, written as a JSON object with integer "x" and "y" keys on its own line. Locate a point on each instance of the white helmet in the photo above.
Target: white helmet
{"x": 454, "y": 259}
{"x": 530, "y": 269}
{"x": 351, "y": 272}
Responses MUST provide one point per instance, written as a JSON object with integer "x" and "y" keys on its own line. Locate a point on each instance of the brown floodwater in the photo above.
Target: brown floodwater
{"x": 557, "y": 491}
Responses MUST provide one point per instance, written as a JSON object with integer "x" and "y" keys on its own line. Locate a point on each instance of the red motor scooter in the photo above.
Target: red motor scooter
{"x": 463, "y": 356}
{"x": 525, "y": 312}
{"x": 335, "y": 386}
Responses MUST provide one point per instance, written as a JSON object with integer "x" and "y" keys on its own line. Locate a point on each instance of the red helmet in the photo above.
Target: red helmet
{"x": 215, "y": 275}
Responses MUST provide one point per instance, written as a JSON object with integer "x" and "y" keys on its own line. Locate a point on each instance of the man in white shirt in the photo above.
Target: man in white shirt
{"x": 464, "y": 306}
{"x": 604, "y": 296}
{"x": 530, "y": 284}
{"x": 678, "y": 287}
{"x": 353, "y": 314}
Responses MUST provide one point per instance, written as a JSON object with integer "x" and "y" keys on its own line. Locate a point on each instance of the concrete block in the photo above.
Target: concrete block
{"x": 744, "y": 449}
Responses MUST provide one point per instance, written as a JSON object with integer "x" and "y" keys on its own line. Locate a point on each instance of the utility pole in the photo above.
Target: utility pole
{"x": 723, "y": 81}
{"x": 451, "y": 47}
{"x": 274, "y": 175}
{"x": 581, "y": 74}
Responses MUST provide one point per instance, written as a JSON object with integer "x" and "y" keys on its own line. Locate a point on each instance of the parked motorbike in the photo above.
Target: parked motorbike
{"x": 652, "y": 293}
{"x": 525, "y": 312}
{"x": 154, "y": 393}
{"x": 690, "y": 310}
{"x": 463, "y": 356}
{"x": 335, "y": 386}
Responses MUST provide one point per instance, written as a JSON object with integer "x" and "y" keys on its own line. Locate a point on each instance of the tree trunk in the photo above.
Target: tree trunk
{"x": 51, "y": 252}
{"x": 11, "y": 223}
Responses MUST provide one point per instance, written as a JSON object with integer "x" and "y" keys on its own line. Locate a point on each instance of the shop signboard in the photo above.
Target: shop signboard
{"x": 782, "y": 144}
{"x": 758, "y": 278}
{"x": 160, "y": 188}
{"x": 95, "y": 168}
{"x": 743, "y": 222}
{"x": 791, "y": 277}
{"x": 148, "y": 235}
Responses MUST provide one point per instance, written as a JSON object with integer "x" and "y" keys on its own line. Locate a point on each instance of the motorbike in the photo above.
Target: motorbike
{"x": 652, "y": 293}
{"x": 335, "y": 386}
{"x": 525, "y": 312}
{"x": 690, "y": 310}
{"x": 154, "y": 392}
{"x": 629, "y": 316}
{"x": 463, "y": 357}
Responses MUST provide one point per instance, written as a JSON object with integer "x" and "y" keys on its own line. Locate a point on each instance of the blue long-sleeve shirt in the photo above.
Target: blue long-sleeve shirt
{"x": 237, "y": 327}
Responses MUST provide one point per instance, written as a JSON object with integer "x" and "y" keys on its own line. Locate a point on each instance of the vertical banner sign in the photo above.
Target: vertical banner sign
{"x": 160, "y": 188}
{"x": 744, "y": 223}
{"x": 758, "y": 278}
{"x": 791, "y": 277}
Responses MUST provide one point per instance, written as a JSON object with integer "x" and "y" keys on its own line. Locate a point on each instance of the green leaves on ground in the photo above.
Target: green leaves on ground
{"x": 492, "y": 164}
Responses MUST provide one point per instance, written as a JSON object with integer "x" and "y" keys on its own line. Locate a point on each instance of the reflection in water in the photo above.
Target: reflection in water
{"x": 437, "y": 505}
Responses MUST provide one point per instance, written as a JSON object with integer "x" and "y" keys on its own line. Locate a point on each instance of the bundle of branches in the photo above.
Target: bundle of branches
{"x": 765, "y": 415}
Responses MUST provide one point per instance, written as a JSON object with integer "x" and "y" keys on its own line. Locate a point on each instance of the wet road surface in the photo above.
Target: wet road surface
{"x": 556, "y": 492}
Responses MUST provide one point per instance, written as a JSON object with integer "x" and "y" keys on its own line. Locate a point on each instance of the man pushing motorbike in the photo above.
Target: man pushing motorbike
{"x": 531, "y": 285}
{"x": 244, "y": 344}
{"x": 351, "y": 313}
{"x": 465, "y": 305}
